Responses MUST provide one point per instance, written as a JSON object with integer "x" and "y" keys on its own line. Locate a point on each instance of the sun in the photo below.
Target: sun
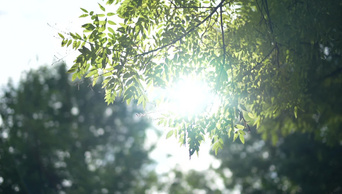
{"x": 187, "y": 97}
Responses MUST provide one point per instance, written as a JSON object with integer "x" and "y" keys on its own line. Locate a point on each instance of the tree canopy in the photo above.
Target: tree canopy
{"x": 297, "y": 164}
{"x": 275, "y": 65}
{"x": 59, "y": 138}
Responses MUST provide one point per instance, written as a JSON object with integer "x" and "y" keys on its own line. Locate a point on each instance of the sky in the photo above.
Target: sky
{"x": 28, "y": 35}
{"x": 29, "y": 39}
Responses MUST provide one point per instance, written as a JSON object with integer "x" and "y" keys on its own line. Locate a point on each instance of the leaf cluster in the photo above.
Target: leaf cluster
{"x": 267, "y": 59}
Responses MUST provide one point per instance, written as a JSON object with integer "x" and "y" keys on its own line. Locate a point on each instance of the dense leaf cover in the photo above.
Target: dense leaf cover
{"x": 275, "y": 65}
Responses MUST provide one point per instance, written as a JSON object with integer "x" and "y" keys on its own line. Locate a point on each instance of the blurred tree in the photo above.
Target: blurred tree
{"x": 56, "y": 138}
{"x": 297, "y": 164}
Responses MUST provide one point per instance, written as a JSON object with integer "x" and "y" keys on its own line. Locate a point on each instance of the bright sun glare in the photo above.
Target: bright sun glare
{"x": 187, "y": 97}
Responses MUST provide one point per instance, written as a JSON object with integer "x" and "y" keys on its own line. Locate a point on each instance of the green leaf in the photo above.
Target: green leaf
{"x": 78, "y": 44}
{"x": 74, "y": 76}
{"x": 111, "y": 22}
{"x": 242, "y": 138}
{"x": 169, "y": 134}
{"x": 217, "y": 145}
{"x": 74, "y": 44}
{"x": 101, "y": 7}
{"x": 128, "y": 101}
{"x": 229, "y": 131}
{"x": 251, "y": 115}
{"x": 238, "y": 126}
{"x": 84, "y": 10}
{"x": 110, "y": 14}
{"x": 99, "y": 51}
{"x": 69, "y": 42}
{"x": 88, "y": 26}
{"x": 102, "y": 29}
{"x": 107, "y": 74}
{"x": 78, "y": 36}
{"x": 110, "y": 96}
{"x": 73, "y": 68}
{"x": 110, "y": 30}
{"x": 61, "y": 35}
{"x": 295, "y": 111}
{"x": 95, "y": 78}
{"x": 92, "y": 72}
{"x": 241, "y": 132}
{"x": 235, "y": 136}
{"x": 122, "y": 30}
{"x": 140, "y": 100}
{"x": 64, "y": 42}
{"x": 83, "y": 15}
{"x": 109, "y": 2}
{"x": 144, "y": 104}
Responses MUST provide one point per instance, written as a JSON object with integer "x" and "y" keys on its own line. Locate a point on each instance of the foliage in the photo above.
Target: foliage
{"x": 275, "y": 65}
{"x": 58, "y": 138}
{"x": 297, "y": 164}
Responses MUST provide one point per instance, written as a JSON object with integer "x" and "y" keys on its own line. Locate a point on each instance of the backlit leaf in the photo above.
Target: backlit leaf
{"x": 101, "y": 7}
{"x": 111, "y": 22}
{"x": 110, "y": 30}
{"x": 238, "y": 126}
{"x": 235, "y": 136}
{"x": 83, "y": 15}
{"x": 169, "y": 134}
{"x": 61, "y": 35}
{"x": 251, "y": 115}
{"x": 84, "y": 10}
{"x": 242, "y": 138}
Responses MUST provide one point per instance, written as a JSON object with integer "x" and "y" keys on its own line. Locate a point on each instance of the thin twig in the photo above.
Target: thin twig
{"x": 173, "y": 3}
{"x": 191, "y": 7}
{"x": 185, "y": 34}
{"x": 266, "y": 57}
{"x": 261, "y": 12}
{"x": 223, "y": 44}
{"x": 223, "y": 47}
{"x": 268, "y": 16}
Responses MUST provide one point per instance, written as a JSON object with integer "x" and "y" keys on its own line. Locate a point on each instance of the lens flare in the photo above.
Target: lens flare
{"x": 187, "y": 97}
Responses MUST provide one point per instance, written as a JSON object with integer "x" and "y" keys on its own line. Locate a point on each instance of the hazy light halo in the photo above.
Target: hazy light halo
{"x": 187, "y": 97}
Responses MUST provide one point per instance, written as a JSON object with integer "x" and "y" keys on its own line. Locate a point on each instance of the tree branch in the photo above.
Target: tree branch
{"x": 269, "y": 18}
{"x": 191, "y": 7}
{"x": 267, "y": 56}
{"x": 261, "y": 12}
{"x": 185, "y": 34}
{"x": 223, "y": 45}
